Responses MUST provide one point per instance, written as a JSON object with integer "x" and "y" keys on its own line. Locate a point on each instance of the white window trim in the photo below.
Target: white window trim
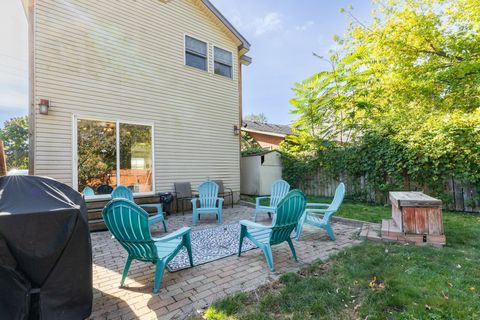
{"x": 213, "y": 64}
{"x": 185, "y": 35}
{"x": 75, "y": 119}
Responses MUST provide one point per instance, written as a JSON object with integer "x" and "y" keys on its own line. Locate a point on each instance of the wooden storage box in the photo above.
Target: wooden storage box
{"x": 416, "y": 217}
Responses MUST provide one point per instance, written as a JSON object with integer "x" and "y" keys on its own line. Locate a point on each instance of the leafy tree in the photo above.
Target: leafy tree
{"x": 249, "y": 145}
{"x": 261, "y": 118}
{"x": 15, "y": 138}
{"x": 96, "y": 151}
{"x": 403, "y": 91}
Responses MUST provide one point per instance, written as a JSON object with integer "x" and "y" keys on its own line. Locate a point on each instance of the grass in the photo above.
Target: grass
{"x": 349, "y": 209}
{"x": 375, "y": 280}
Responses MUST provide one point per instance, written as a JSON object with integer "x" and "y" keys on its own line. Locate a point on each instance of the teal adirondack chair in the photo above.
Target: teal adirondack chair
{"x": 129, "y": 224}
{"x": 122, "y": 192}
{"x": 280, "y": 189}
{"x": 320, "y": 218}
{"x": 209, "y": 201}
{"x": 87, "y": 191}
{"x": 289, "y": 210}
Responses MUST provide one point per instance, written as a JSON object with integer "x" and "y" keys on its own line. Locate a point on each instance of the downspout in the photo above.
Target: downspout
{"x": 31, "y": 86}
{"x": 242, "y": 60}
{"x": 240, "y": 119}
{"x": 240, "y": 107}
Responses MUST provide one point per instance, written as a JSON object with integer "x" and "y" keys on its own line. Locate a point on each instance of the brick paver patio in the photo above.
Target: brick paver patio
{"x": 185, "y": 292}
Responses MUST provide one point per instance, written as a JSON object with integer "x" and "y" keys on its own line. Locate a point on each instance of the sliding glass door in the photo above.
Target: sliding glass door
{"x": 113, "y": 153}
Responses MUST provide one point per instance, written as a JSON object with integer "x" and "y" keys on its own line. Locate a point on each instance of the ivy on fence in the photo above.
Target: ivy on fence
{"x": 377, "y": 164}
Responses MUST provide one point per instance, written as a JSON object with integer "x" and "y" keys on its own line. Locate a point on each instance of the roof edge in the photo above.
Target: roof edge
{"x": 261, "y": 153}
{"x": 245, "y": 44}
{"x": 267, "y": 133}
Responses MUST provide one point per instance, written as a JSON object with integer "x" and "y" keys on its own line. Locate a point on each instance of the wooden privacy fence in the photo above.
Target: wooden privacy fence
{"x": 458, "y": 195}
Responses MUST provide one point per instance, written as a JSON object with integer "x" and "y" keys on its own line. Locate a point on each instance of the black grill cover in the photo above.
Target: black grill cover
{"x": 45, "y": 250}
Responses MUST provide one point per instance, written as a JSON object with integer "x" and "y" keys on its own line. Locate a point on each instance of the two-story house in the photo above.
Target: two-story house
{"x": 139, "y": 93}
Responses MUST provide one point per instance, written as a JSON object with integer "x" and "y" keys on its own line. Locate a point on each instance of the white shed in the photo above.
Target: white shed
{"x": 259, "y": 171}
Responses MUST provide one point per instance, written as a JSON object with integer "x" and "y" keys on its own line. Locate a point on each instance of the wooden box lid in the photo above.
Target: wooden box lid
{"x": 413, "y": 199}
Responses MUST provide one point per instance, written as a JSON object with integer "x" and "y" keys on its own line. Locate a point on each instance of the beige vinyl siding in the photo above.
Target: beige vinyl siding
{"x": 124, "y": 60}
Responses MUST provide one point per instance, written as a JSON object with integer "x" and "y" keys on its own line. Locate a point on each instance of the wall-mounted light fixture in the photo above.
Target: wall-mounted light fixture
{"x": 236, "y": 130}
{"x": 43, "y": 106}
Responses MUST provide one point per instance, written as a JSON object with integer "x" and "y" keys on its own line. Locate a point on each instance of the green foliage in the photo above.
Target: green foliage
{"x": 401, "y": 100}
{"x": 295, "y": 167}
{"x": 252, "y": 151}
{"x": 97, "y": 153}
{"x": 420, "y": 282}
{"x": 226, "y": 307}
{"x": 15, "y": 138}
{"x": 261, "y": 117}
{"x": 249, "y": 145}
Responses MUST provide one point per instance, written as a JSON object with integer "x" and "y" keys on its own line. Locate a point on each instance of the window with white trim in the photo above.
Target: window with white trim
{"x": 223, "y": 62}
{"x": 196, "y": 53}
{"x": 113, "y": 153}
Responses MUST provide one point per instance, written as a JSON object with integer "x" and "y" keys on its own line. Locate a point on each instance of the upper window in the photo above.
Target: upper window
{"x": 195, "y": 53}
{"x": 223, "y": 62}
{"x": 111, "y": 154}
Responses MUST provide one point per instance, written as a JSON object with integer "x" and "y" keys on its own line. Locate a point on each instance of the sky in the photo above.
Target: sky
{"x": 282, "y": 33}
{"x": 13, "y": 60}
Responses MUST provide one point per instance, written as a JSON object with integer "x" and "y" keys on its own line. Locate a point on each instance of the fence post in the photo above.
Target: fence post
{"x": 3, "y": 160}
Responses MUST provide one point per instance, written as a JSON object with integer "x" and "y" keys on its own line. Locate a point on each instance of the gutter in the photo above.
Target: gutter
{"x": 265, "y": 133}
{"x": 245, "y": 44}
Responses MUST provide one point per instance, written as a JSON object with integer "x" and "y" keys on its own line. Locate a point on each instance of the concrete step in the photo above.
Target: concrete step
{"x": 370, "y": 231}
{"x": 391, "y": 231}
{"x": 364, "y": 232}
{"x": 374, "y": 235}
